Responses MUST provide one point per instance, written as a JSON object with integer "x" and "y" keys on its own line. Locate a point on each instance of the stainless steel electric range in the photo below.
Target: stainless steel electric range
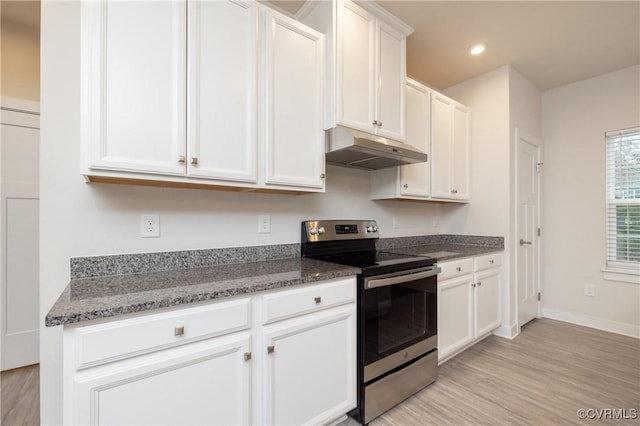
{"x": 397, "y": 312}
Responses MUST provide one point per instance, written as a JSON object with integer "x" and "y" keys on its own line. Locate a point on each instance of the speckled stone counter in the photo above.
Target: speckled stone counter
{"x": 108, "y": 286}
{"x": 108, "y": 296}
{"x": 443, "y": 247}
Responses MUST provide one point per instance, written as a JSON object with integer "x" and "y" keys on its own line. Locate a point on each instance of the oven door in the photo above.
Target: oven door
{"x": 399, "y": 315}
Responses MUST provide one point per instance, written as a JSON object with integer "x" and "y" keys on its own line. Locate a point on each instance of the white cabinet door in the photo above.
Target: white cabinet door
{"x": 460, "y": 145}
{"x": 415, "y": 179}
{"x": 222, "y": 110}
{"x": 207, "y": 382}
{"x": 441, "y": 137}
{"x": 293, "y": 122}
{"x": 356, "y": 56}
{"x": 455, "y": 315}
{"x": 449, "y": 149}
{"x": 310, "y": 373}
{"x": 133, "y": 87}
{"x": 391, "y": 75}
{"x": 487, "y": 301}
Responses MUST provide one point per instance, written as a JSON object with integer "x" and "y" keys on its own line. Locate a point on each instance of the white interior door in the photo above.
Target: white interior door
{"x": 19, "y": 213}
{"x": 527, "y": 239}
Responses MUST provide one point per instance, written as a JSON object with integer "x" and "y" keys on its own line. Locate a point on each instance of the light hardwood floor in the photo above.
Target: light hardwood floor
{"x": 20, "y": 396}
{"x": 543, "y": 377}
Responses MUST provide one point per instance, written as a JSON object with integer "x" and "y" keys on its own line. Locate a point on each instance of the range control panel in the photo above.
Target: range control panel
{"x": 346, "y": 229}
{"x": 335, "y": 230}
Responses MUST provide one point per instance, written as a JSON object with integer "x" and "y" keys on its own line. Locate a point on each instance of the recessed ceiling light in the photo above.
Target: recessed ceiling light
{"x": 478, "y": 48}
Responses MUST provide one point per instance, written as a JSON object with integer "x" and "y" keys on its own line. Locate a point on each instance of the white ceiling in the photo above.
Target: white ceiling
{"x": 551, "y": 43}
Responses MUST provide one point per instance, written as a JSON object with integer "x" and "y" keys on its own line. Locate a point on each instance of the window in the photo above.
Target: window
{"x": 623, "y": 198}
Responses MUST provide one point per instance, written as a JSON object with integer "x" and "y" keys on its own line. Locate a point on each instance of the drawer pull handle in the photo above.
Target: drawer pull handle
{"x": 178, "y": 331}
{"x": 491, "y": 261}
{"x": 318, "y": 300}
{"x": 247, "y": 356}
{"x": 473, "y": 284}
{"x": 479, "y": 283}
{"x": 458, "y": 269}
{"x": 271, "y": 349}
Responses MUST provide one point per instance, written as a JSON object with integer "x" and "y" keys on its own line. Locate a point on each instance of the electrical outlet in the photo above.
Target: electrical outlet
{"x": 590, "y": 290}
{"x": 149, "y": 226}
{"x": 264, "y": 224}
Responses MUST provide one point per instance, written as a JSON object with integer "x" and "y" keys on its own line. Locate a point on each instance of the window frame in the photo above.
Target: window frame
{"x": 616, "y": 270}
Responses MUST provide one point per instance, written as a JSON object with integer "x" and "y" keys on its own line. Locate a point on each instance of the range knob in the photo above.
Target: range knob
{"x": 313, "y": 231}
{"x": 369, "y": 229}
{"x": 375, "y": 228}
{"x": 321, "y": 230}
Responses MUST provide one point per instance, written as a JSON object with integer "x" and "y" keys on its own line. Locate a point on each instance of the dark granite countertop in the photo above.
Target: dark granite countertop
{"x": 444, "y": 252}
{"x": 91, "y": 298}
{"x": 108, "y": 286}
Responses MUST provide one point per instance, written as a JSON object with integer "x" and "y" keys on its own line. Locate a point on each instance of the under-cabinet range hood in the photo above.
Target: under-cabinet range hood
{"x": 351, "y": 148}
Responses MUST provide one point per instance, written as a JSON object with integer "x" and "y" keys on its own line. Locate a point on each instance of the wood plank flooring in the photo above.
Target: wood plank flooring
{"x": 20, "y": 396}
{"x": 543, "y": 377}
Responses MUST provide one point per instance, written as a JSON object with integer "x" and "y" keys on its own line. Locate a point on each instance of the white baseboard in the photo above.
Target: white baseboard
{"x": 507, "y": 331}
{"x": 631, "y": 330}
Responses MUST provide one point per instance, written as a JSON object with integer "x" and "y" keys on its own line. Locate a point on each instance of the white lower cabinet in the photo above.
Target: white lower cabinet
{"x": 310, "y": 367}
{"x": 468, "y": 302}
{"x": 218, "y": 363}
{"x": 206, "y": 382}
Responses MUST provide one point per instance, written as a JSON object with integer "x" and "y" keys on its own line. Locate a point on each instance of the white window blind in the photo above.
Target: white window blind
{"x": 623, "y": 198}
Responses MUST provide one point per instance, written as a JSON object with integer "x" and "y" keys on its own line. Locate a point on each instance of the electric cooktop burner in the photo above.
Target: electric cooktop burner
{"x": 353, "y": 243}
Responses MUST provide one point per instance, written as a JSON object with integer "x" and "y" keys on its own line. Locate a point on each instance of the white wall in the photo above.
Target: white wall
{"x": 575, "y": 119}
{"x": 489, "y": 212}
{"x": 79, "y": 219}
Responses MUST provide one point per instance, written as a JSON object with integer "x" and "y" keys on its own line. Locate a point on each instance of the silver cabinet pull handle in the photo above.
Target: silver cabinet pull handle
{"x": 271, "y": 349}
{"x": 523, "y": 242}
{"x": 479, "y": 283}
{"x": 406, "y": 185}
{"x": 491, "y": 261}
{"x": 322, "y": 175}
{"x": 182, "y": 159}
{"x": 247, "y": 356}
{"x": 380, "y": 123}
{"x": 194, "y": 160}
{"x": 375, "y": 122}
{"x": 317, "y": 299}
{"x": 178, "y": 331}
{"x": 473, "y": 284}
{"x": 458, "y": 269}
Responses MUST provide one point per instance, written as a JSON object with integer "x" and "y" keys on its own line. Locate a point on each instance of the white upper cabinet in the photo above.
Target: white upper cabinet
{"x": 449, "y": 149}
{"x": 366, "y": 65}
{"x": 371, "y": 70}
{"x": 460, "y": 147}
{"x": 133, "y": 75}
{"x": 222, "y": 108}
{"x": 219, "y": 94}
{"x": 293, "y": 113}
{"x": 356, "y": 82}
{"x": 392, "y": 72}
{"x": 412, "y": 181}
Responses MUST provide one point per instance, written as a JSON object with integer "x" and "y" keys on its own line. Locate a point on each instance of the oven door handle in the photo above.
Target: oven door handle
{"x": 370, "y": 283}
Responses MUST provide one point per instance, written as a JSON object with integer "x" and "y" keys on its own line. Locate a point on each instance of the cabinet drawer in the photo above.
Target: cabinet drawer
{"x": 487, "y": 261}
{"x": 96, "y": 344}
{"x": 285, "y": 304}
{"x": 455, "y": 268}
